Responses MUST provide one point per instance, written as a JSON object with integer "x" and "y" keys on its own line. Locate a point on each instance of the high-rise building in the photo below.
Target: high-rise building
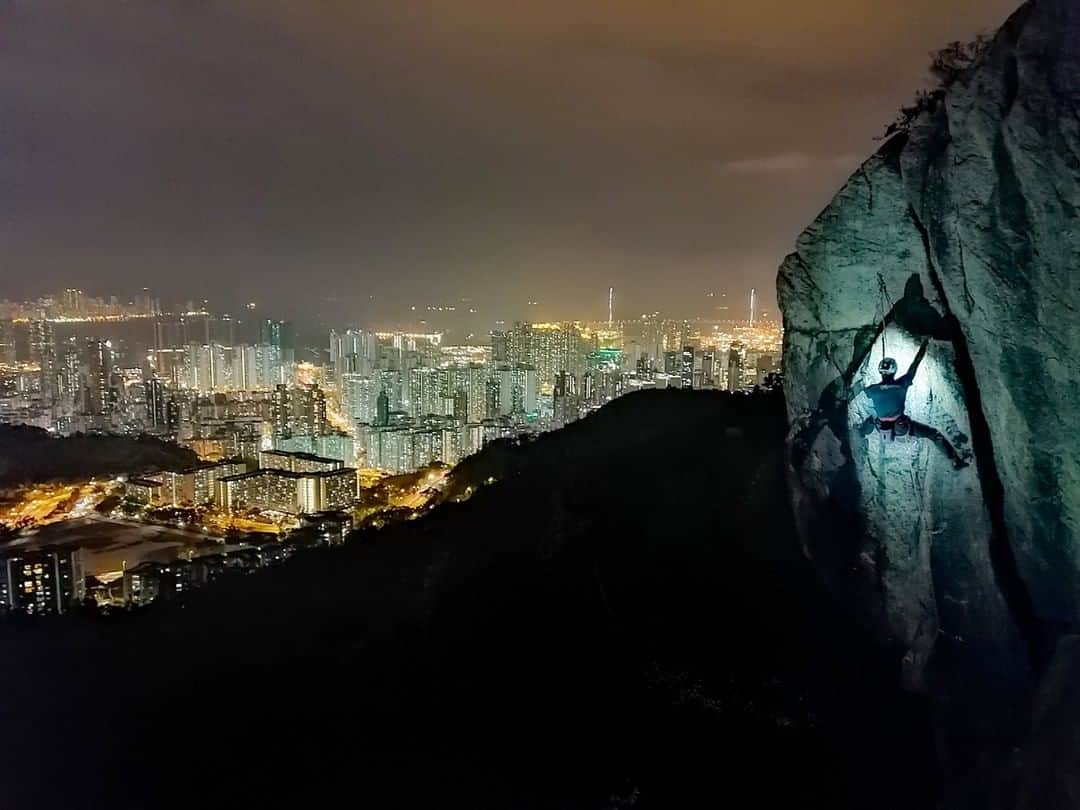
{"x": 309, "y": 411}
{"x": 293, "y": 493}
{"x": 74, "y": 303}
{"x": 427, "y": 390}
{"x": 735, "y": 367}
{"x": 470, "y": 380}
{"x": 43, "y": 354}
{"x": 258, "y": 367}
{"x": 298, "y": 411}
{"x": 352, "y": 352}
{"x": 359, "y": 393}
{"x": 686, "y": 368}
{"x": 7, "y": 343}
{"x": 99, "y": 392}
{"x": 566, "y": 405}
{"x": 382, "y": 408}
{"x": 157, "y": 404}
{"x": 208, "y": 367}
{"x": 280, "y": 335}
{"x": 197, "y": 484}
{"x": 550, "y": 348}
{"x": 42, "y": 583}
{"x": 518, "y": 390}
{"x": 281, "y": 411}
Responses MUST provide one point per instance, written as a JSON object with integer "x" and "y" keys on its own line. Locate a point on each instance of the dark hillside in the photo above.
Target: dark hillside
{"x": 621, "y": 620}
{"x": 30, "y": 455}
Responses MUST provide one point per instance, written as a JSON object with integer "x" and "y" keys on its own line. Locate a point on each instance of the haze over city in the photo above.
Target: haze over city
{"x": 330, "y": 160}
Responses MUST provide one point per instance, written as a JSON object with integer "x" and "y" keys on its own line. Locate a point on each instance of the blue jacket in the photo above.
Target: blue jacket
{"x": 890, "y": 398}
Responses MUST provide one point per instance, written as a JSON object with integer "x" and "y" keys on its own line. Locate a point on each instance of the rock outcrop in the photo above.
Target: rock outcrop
{"x": 962, "y": 232}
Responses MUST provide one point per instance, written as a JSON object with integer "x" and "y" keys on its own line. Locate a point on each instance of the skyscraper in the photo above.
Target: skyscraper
{"x": 7, "y": 343}
{"x": 298, "y": 411}
{"x": 518, "y": 390}
{"x": 382, "y": 409}
{"x": 42, "y": 583}
{"x": 280, "y": 335}
{"x": 352, "y": 352}
{"x": 686, "y": 367}
{"x": 99, "y": 397}
{"x": 43, "y": 354}
{"x": 157, "y": 406}
{"x": 735, "y": 367}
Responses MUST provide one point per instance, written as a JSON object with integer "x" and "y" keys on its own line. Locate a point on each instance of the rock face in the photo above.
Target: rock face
{"x": 963, "y": 232}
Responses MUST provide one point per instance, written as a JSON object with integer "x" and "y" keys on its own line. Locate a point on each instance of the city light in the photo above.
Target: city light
{"x": 363, "y": 430}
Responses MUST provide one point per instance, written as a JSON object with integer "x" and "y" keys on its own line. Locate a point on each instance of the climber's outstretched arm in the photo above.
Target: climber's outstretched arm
{"x": 909, "y": 378}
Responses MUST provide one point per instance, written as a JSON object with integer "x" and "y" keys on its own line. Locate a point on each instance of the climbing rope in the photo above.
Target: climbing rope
{"x": 884, "y": 308}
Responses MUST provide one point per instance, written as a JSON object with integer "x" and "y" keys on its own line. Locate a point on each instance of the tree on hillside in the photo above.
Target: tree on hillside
{"x": 946, "y": 67}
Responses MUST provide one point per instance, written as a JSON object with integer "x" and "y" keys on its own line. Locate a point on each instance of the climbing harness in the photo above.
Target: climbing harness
{"x": 896, "y": 427}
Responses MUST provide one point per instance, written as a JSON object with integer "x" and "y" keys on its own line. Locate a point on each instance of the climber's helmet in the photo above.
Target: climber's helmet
{"x": 887, "y": 367}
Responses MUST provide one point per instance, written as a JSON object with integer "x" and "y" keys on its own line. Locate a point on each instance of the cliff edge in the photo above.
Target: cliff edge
{"x": 953, "y": 533}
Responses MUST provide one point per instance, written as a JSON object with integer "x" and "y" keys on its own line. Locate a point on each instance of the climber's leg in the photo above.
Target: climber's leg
{"x": 922, "y": 431}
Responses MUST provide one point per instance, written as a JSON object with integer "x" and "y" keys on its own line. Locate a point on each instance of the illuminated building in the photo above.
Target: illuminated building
{"x": 99, "y": 394}
{"x": 705, "y": 365}
{"x": 288, "y": 492}
{"x": 600, "y": 387}
{"x": 73, "y": 302}
{"x": 686, "y": 367}
{"x": 43, "y": 354}
{"x": 352, "y": 352}
{"x": 279, "y": 335}
{"x": 470, "y": 380}
{"x": 359, "y": 397}
{"x": 566, "y": 403}
{"x": 42, "y": 583}
{"x": 382, "y": 408}
{"x": 157, "y": 405}
{"x": 388, "y": 449}
{"x": 7, "y": 343}
{"x": 331, "y": 527}
{"x": 258, "y": 367}
{"x": 150, "y": 581}
{"x": 298, "y": 411}
{"x": 549, "y": 348}
{"x": 736, "y": 355}
{"x": 143, "y": 490}
{"x": 308, "y": 411}
{"x": 197, "y": 484}
{"x": 412, "y": 444}
{"x": 427, "y": 388}
{"x": 518, "y": 390}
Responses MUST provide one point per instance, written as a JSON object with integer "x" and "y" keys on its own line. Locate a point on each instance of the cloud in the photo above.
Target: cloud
{"x": 789, "y": 162}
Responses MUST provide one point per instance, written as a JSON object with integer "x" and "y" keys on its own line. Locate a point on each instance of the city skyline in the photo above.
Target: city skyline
{"x": 287, "y": 437}
{"x": 460, "y": 319}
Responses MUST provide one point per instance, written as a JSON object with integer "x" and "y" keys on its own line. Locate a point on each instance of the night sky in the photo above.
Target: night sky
{"x": 311, "y": 154}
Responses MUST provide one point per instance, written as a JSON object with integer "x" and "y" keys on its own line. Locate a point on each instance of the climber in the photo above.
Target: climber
{"x": 889, "y": 398}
